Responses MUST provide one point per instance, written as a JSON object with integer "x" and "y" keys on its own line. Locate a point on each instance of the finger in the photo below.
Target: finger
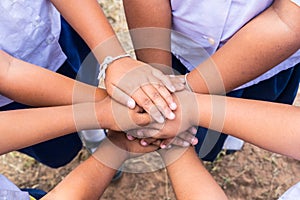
{"x": 164, "y": 79}
{"x": 177, "y": 141}
{"x": 165, "y": 94}
{"x": 130, "y": 137}
{"x": 145, "y": 102}
{"x": 193, "y": 130}
{"x": 148, "y": 133}
{"x": 188, "y": 137}
{"x": 158, "y": 100}
{"x": 166, "y": 143}
{"x": 180, "y": 142}
{"x": 141, "y": 119}
{"x": 147, "y": 141}
{"x": 178, "y": 82}
{"x": 141, "y": 133}
{"x": 122, "y": 97}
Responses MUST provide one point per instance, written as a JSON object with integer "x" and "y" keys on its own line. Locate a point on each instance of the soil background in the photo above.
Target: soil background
{"x": 251, "y": 173}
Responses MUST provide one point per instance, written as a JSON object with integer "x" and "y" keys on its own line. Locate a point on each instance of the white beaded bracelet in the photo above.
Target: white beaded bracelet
{"x": 107, "y": 61}
{"x": 186, "y": 83}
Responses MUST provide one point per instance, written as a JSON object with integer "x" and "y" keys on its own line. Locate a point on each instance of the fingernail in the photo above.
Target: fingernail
{"x": 173, "y": 106}
{"x": 161, "y": 119}
{"x": 185, "y": 144}
{"x": 172, "y": 88}
{"x": 195, "y": 141}
{"x": 130, "y": 137}
{"x": 163, "y": 146}
{"x": 143, "y": 143}
{"x": 171, "y": 116}
{"x": 169, "y": 147}
{"x": 131, "y": 103}
{"x": 194, "y": 130}
{"x": 140, "y": 133}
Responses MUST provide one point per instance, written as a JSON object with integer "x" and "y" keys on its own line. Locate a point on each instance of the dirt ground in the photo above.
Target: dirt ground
{"x": 251, "y": 173}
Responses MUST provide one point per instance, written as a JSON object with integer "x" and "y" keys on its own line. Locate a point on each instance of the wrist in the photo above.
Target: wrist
{"x": 109, "y": 60}
{"x": 187, "y": 86}
{"x": 111, "y": 153}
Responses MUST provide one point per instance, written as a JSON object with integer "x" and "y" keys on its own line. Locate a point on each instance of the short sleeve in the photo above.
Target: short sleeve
{"x": 296, "y": 2}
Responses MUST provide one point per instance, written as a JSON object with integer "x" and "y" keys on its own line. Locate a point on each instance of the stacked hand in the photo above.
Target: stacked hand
{"x": 179, "y": 131}
{"x": 145, "y": 89}
{"x": 138, "y": 83}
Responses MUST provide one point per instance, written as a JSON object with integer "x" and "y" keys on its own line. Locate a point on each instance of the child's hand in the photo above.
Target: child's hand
{"x": 128, "y": 79}
{"x": 133, "y": 147}
{"x": 180, "y": 129}
{"x": 114, "y": 116}
{"x": 115, "y": 149}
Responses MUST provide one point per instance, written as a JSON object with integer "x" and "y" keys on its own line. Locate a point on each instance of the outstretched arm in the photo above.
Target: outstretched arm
{"x": 90, "y": 179}
{"x": 271, "y": 126}
{"x": 190, "y": 179}
{"x": 36, "y": 86}
{"x": 126, "y": 78}
{"x": 261, "y": 44}
{"x": 25, "y": 127}
{"x": 149, "y": 23}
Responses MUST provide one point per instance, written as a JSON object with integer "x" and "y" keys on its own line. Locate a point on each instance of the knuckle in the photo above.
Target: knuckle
{"x": 147, "y": 103}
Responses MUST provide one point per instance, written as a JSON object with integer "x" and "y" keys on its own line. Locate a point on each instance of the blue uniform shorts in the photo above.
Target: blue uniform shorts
{"x": 281, "y": 88}
{"x": 60, "y": 151}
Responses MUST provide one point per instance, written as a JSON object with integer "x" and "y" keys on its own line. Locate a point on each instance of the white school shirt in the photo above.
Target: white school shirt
{"x": 200, "y": 27}
{"x": 296, "y": 2}
{"x": 29, "y": 30}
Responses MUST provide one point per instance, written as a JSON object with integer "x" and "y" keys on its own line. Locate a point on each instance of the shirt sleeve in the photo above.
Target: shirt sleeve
{"x": 296, "y": 2}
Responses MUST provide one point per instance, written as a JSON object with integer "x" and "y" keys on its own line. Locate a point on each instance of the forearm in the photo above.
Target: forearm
{"x": 21, "y": 128}
{"x": 149, "y": 23}
{"x": 33, "y": 85}
{"x": 268, "y": 125}
{"x": 92, "y": 25}
{"x": 261, "y": 44}
{"x": 191, "y": 180}
{"x": 90, "y": 179}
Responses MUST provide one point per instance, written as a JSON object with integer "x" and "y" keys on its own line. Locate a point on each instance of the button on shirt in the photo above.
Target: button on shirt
{"x": 201, "y": 27}
{"x": 29, "y": 30}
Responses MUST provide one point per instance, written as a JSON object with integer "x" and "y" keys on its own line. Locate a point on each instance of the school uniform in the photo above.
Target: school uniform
{"x": 34, "y": 31}
{"x": 200, "y": 28}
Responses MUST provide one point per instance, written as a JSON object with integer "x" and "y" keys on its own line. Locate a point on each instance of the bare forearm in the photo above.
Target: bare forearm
{"x": 191, "y": 180}
{"x": 83, "y": 182}
{"x": 269, "y": 125}
{"x": 21, "y": 128}
{"x": 33, "y": 85}
{"x": 150, "y": 23}
{"x": 92, "y": 25}
{"x": 261, "y": 44}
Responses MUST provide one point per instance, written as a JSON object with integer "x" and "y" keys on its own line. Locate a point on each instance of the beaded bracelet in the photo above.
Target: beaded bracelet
{"x": 186, "y": 83}
{"x": 104, "y": 65}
